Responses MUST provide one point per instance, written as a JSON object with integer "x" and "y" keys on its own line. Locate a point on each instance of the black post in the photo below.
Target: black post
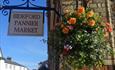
{"x": 85, "y": 3}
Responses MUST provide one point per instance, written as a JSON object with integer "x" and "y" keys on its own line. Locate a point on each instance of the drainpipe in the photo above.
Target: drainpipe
{"x": 111, "y": 34}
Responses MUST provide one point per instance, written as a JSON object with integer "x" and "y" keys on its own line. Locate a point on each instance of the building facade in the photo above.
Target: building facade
{"x": 8, "y": 64}
{"x": 105, "y": 8}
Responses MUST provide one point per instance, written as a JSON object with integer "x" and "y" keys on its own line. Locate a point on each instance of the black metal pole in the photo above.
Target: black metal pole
{"x": 30, "y": 8}
{"x": 28, "y": 3}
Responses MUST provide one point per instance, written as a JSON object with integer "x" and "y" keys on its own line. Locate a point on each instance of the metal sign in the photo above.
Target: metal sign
{"x": 26, "y": 23}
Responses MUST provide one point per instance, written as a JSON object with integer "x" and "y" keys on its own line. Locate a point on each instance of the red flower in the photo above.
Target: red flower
{"x": 110, "y": 29}
{"x": 65, "y": 51}
{"x": 107, "y": 24}
{"x": 104, "y": 18}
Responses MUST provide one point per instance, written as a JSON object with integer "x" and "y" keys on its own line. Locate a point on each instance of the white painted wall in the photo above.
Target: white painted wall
{"x": 6, "y": 66}
{"x": 2, "y": 65}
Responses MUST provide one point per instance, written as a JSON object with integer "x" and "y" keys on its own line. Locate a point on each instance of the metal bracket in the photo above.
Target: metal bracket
{"x": 27, "y": 5}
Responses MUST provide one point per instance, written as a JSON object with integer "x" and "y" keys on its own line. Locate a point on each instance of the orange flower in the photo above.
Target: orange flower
{"x": 81, "y": 9}
{"x": 91, "y": 22}
{"x": 90, "y": 14}
{"x": 78, "y": 14}
{"x": 65, "y": 30}
{"x": 72, "y": 21}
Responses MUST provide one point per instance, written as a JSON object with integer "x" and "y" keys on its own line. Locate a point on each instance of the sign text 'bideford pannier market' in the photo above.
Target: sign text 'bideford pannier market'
{"x": 26, "y": 23}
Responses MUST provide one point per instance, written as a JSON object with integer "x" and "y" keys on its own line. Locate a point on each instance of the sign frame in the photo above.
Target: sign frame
{"x": 28, "y": 34}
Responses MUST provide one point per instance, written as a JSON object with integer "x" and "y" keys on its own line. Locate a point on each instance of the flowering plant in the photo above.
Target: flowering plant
{"x": 82, "y": 38}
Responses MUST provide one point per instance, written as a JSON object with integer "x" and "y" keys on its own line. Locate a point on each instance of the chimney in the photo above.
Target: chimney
{"x": 9, "y": 58}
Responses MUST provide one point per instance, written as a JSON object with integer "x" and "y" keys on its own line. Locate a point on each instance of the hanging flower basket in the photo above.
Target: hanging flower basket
{"x": 82, "y": 38}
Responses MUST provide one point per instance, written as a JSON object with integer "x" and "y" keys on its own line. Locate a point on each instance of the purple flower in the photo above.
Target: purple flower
{"x": 70, "y": 27}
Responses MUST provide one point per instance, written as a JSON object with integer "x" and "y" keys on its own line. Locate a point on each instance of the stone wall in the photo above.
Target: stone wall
{"x": 106, "y": 8}
{"x": 112, "y": 3}
{"x": 68, "y": 5}
{"x": 101, "y": 7}
{"x": 113, "y": 15}
{"x": 113, "y": 11}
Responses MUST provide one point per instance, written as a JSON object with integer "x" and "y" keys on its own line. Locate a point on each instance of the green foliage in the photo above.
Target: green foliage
{"x": 87, "y": 43}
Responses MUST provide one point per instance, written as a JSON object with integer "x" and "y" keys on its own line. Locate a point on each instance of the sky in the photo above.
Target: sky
{"x": 26, "y": 50}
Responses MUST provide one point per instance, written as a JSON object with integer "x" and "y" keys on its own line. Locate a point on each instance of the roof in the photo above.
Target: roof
{"x": 1, "y": 55}
{"x": 9, "y": 61}
{"x": 13, "y": 63}
{"x": 1, "y": 58}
